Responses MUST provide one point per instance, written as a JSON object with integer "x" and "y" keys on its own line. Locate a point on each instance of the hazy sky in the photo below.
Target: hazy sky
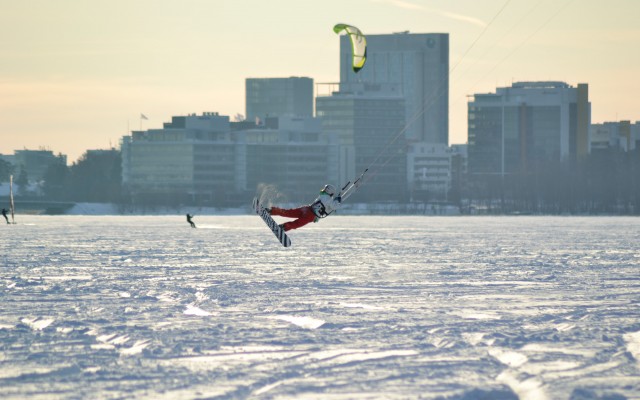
{"x": 77, "y": 74}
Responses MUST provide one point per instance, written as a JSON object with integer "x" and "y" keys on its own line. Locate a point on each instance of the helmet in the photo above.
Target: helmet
{"x": 329, "y": 189}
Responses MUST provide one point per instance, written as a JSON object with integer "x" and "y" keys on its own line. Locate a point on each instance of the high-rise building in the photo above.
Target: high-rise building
{"x": 418, "y": 64}
{"x": 369, "y": 121}
{"x": 279, "y": 97}
{"x": 526, "y": 125}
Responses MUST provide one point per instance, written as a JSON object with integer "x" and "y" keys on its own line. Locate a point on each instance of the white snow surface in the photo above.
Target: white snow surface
{"x": 110, "y": 307}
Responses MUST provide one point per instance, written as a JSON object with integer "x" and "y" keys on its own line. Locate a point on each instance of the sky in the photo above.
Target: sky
{"x": 77, "y": 75}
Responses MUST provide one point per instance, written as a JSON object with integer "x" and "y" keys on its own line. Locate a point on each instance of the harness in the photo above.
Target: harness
{"x": 318, "y": 209}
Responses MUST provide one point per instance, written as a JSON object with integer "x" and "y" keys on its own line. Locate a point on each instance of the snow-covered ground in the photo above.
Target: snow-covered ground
{"x": 358, "y": 308}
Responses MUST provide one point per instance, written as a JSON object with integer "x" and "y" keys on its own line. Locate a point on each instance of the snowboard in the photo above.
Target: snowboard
{"x": 266, "y": 217}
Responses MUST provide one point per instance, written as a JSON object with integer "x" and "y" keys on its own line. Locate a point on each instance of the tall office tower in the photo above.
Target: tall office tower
{"x": 419, "y": 65}
{"x": 366, "y": 121}
{"x": 279, "y": 97}
{"x": 526, "y": 125}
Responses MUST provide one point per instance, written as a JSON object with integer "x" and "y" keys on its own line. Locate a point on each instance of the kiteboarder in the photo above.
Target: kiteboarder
{"x": 4, "y": 214}
{"x": 324, "y": 205}
{"x": 190, "y": 221}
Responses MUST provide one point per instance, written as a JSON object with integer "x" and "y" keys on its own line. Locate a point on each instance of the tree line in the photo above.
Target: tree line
{"x": 95, "y": 177}
{"x": 604, "y": 182}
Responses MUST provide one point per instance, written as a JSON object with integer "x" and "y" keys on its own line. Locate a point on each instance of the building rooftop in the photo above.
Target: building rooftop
{"x": 541, "y": 85}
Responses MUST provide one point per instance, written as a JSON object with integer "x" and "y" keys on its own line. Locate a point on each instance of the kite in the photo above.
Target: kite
{"x": 358, "y": 45}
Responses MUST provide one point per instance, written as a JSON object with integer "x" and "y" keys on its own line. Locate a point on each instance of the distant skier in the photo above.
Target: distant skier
{"x": 4, "y": 214}
{"x": 324, "y": 205}
{"x": 190, "y": 221}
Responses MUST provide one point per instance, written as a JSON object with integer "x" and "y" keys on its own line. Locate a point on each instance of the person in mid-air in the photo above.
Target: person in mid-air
{"x": 4, "y": 214}
{"x": 190, "y": 221}
{"x": 325, "y": 204}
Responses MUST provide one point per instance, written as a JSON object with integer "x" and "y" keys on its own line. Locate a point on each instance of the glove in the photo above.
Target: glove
{"x": 338, "y": 199}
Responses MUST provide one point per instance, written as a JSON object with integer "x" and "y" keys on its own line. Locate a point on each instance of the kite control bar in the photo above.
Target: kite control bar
{"x": 350, "y": 188}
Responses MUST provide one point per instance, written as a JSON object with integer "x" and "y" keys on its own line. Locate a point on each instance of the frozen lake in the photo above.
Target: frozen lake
{"x": 359, "y": 307}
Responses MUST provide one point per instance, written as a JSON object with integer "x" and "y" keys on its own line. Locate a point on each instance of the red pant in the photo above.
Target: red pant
{"x": 303, "y": 214}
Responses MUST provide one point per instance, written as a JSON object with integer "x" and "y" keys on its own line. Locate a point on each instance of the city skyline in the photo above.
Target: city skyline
{"x": 78, "y": 76}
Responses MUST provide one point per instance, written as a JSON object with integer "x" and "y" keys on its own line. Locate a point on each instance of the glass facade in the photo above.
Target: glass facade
{"x": 418, "y": 64}
{"x": 279, "y": 97}
{"x": 298, "y": 171}
{"x": 485, "y": 139}
{"x": 524, "y": 126}
{"x": 197, "y": 166}
{"x": 370, "y": 124}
